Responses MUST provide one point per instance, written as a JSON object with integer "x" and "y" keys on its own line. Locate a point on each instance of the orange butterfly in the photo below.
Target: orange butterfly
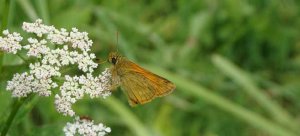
{"x": 140, "y": 85}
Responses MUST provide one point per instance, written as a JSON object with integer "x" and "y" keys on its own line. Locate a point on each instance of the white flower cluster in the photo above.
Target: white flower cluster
{"x": 38, "y": 28}
{"x": 10, "y": 42}
{"x": 85, "y": 127}
{"x": 38, "y": 80}
{"x": 75, "y": 87}
{"x": 72, "y": 48}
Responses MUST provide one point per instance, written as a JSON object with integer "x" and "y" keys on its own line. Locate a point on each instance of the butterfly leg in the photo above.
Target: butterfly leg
{"x": 115, "y": 83}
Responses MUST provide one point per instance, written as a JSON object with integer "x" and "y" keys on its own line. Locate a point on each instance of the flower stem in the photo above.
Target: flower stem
{"x": 3, "y": 26}
{"x": 25, "y": 60}
{"x": 16, "y": 107}
{"x": 5, "y": 15}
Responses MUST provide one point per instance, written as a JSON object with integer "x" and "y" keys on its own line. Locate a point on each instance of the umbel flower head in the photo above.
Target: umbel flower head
{"x": 72, "y": 48}
{"x": 10, "y": 42}
{"x": 85, "y": 127}
{"x": 54, "y": 50}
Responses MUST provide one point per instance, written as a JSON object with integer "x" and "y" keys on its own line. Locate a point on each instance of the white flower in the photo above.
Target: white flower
{"x": 10, "y": 42}
{"x": 75, "y": 87}
{"x": 43, "y": 86}
{"x": 36, "y": 48}
{"x": 85, "y": 62}
{"x": 63, "y": 57}
{"x": 77, "y": 39}
{"x": 58, "y": 36}
{"x": 73, "y": 49}
{"x": 43, "y": 71}
{"x": 64, "y": 104}
{"x": 23, "y": 84}
{"x": 96, "y": 86}
{"x": 80, "y": 40}
{"x": 38, "y": 28}
{"x": 85, "y": 127}
{"x": 38, "y": 80}
{"x": 20, "y": 84}
{"x": 5, "y": 32}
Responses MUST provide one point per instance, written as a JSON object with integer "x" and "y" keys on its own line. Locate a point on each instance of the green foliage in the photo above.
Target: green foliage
{"x": 250, "y": 88}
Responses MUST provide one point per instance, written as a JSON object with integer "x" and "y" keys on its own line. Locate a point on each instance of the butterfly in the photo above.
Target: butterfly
{"x": 140, "y": 85}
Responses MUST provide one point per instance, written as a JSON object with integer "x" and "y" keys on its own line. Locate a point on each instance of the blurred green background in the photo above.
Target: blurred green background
{"x": 236, "y": 64}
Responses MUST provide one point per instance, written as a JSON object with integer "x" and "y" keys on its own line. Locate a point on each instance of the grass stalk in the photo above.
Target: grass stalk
{"x": 127, "y": 116}
{"x": 28, "y": 9}
{"x": 242, "y": 78}
{"x": 239, "y": 112}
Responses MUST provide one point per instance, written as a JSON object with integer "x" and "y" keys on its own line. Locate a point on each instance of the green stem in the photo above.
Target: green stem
{"x": 16, "y": 107}
{"x": 25, "y": 60}
{"x": 4, "y": 26}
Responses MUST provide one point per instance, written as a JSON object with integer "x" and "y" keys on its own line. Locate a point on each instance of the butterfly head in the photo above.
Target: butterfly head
{"x": 114, "y": 58}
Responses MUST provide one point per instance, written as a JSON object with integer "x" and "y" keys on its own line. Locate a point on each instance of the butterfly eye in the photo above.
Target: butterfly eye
{"x": 114, "y": 61}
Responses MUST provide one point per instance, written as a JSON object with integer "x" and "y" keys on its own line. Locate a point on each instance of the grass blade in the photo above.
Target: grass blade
{"x": 249, "y": 86}
{"x": 127, "y": 116}
{"x": 250, "y": 117}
